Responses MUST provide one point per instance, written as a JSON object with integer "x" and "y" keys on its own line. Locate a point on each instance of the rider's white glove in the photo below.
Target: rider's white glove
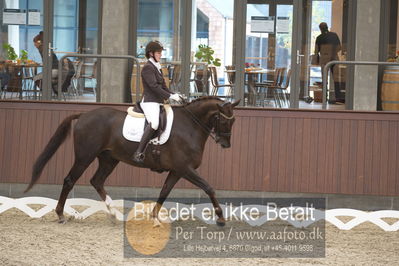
{"x": 175, "y": 97}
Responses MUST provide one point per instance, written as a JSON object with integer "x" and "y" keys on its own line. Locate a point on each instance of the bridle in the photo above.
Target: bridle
{"x": 215, "y": 134}
{"x": 217, "y": 125}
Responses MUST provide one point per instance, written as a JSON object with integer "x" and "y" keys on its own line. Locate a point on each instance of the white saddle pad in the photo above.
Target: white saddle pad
{"x": 133, "y": 128}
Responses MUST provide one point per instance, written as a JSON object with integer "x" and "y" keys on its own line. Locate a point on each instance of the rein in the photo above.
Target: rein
{"x": 208, "y": 130}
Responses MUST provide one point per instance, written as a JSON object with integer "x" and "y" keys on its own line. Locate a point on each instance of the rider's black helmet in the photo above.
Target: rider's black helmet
{"x": 153, "y": 46}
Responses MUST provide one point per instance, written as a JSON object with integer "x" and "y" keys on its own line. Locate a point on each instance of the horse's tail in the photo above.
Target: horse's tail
{"x": 52, "y": 146}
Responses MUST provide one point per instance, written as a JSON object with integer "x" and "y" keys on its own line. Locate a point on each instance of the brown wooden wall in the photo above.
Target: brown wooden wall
{"x": 272, "y": 150}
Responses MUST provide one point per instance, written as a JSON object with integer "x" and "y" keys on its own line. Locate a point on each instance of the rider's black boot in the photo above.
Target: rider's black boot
{"x": 138, "y": 156}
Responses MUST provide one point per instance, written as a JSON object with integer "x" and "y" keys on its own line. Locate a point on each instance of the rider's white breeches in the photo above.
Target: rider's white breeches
{"x": 151, "y": 112}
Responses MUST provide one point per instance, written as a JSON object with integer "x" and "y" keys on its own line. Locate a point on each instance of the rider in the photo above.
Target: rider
{"x": 155, "y": 93}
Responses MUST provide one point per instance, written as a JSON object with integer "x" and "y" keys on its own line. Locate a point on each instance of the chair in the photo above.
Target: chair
{"x": 231, "y": 74}
{"x": 281, "y": 92}
{"x": 199, "y": 79}
{"x": 217, "y": 86}
{"x": 68, "y": 72}
{"x": 75, "y": 79}
{"x": 266, "y": 89}
{"x": 93, "y": 78}
{"x": 15, "y": 81}
{"x": 165, "y": 74}
{"x": 28, "y": 85}
{"x": 175, "y": 82}
{"x": 133, "y": 85}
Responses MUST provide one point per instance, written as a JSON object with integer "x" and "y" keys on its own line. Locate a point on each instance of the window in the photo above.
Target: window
{"x": 156, "y": 22}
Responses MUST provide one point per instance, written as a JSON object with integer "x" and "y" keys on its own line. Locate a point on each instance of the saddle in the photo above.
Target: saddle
{"x": 137, "y": 111}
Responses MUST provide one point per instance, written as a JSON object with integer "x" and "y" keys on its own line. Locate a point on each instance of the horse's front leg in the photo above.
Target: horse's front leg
{"x": 195, "y": 179}
{"x": 170, "y": 182}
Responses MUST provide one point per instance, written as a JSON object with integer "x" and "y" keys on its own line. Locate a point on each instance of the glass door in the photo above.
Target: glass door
{"x": 72, "y": 27}
{"x": 87, "y": 43}
{"x": 161, "y": 20}
{"x": 20, "y": 60}
{"x": 297, "y": 56}
{"x": 315, "y": 54}
{"x": 88, "y": 26}
{"x": 268, "y": 55}
{"x": 40, "y": 32}
{"x": 29, "y": 32}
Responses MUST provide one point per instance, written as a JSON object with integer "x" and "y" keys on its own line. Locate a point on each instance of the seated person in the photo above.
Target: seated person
{"x": 38, "y": 42}
{"x": 68, "y": 69}
{"x": 4, "y": 77}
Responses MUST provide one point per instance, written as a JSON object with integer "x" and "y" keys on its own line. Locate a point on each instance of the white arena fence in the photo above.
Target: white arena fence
{"x": 93, "y": 206}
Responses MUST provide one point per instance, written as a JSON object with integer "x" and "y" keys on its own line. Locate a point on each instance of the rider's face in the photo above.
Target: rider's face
{"x": 157, "y": 56}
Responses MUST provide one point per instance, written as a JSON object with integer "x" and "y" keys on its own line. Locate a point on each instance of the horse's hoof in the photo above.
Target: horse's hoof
{"x": 221, "y": 222}
{"x": 62, "y": 220}
{"x": 156, "y": 223}
{"x": 78, "y": 217}
{"x": 111, "y": 211}
{"x": 112, "y": 218}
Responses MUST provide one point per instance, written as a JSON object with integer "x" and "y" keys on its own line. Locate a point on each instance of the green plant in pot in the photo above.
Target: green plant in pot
{"x": 24, "y": 56}
{"x": 204, "y": 54}
{"x": 10, "y": 51}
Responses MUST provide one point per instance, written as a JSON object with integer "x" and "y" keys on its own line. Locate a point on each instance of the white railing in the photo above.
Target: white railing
{"x": 93, "y": 206}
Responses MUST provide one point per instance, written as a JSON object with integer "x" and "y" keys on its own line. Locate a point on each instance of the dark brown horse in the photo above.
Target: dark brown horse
{"x": 98, "y": 133}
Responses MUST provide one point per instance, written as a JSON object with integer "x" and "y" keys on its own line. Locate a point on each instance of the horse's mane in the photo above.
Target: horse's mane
{"x": 204, "y": 98}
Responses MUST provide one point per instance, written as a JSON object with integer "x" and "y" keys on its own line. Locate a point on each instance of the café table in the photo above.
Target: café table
{"x": 252, "y": 76}
{"x": 19, "y": 73}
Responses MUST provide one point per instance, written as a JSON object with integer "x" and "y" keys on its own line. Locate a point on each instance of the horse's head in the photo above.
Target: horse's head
{"x": 224, "y": 120}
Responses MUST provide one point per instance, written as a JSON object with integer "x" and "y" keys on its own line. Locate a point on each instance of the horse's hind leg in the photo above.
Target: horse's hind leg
{"x": 106, "y": 164}
{"x": 170, "y": 182}
{"x": 195, "y": 179}
{"x": 76, "y": 171}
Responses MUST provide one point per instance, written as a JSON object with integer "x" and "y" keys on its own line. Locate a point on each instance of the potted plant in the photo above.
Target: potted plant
{"x": 24, "y": 56}
{"x": 204, "y": 54}
{"x": 12, "y": 55}
{"x": 10, "y": 52}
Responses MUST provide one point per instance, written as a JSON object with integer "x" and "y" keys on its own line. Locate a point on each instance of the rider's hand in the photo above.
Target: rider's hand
{"x": 175, "y": 97}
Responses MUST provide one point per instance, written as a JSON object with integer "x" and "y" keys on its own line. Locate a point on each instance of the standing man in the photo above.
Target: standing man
{"x": 327, "y": 47}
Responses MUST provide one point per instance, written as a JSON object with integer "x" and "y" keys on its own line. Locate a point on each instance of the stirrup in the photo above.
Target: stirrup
{"x": 138, "y": 157}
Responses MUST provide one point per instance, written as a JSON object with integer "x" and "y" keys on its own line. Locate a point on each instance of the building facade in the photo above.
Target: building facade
{"x": 252, "y": 34}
